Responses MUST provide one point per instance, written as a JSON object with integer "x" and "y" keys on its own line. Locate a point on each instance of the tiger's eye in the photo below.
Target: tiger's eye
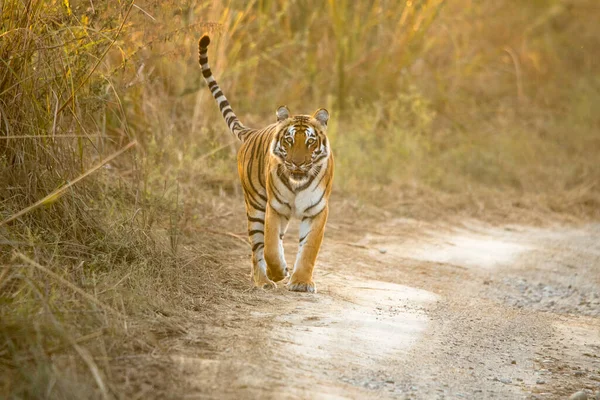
{"x": 310, "y": 142}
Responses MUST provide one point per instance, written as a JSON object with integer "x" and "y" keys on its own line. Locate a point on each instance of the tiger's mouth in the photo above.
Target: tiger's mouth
{"x": 298, "y": 175}
{"x": 296, "y": 172}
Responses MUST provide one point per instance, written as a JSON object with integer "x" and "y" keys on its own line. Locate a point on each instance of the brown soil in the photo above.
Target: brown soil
{"x": 406, "y": 309}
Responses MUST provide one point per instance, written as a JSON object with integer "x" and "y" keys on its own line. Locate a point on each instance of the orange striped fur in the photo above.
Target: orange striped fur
{"x": 286, "y": 170}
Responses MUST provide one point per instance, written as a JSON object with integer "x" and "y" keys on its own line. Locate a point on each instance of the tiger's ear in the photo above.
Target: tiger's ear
{"x": 282, "y": 113}
{"x": 321, "y": 115}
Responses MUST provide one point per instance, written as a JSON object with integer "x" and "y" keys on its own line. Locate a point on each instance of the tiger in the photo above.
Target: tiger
{"x": 286, "y": 170}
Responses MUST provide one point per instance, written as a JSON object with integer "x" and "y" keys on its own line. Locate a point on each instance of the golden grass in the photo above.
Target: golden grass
{"x": 438, "y": 108}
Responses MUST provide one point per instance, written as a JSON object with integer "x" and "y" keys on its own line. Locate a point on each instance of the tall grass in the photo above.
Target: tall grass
{"x": 64, "y": 214}
{"x": 455, "y": 97}
{"x": 436, "y": 107}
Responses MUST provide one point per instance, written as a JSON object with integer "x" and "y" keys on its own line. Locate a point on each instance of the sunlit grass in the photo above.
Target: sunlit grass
{"x": 437, "y": 107}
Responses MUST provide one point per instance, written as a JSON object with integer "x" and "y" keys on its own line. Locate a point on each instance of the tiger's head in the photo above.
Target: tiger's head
{"x": 301, "y": 144}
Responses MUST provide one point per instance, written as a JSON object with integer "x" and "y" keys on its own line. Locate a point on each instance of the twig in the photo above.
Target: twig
{"x": 210, "y": 153}
{"x": 89, "y": 360}
{"x": 54, "y": 349}
{"x": 360, "y": 246}
{"x": 145, "y": 12}
{"x": 67, "y": 283}
{"x": 116, "y": 284}
{"x": 517, "y": 65}
{"x": 60, "y": 191}
{"x": 231, "y": 234}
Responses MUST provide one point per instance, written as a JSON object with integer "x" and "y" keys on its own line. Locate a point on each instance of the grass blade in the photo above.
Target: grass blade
{"x": 60, "y": 191}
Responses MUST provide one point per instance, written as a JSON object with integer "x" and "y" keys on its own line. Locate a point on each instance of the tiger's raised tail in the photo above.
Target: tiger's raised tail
{"x": 234, "y": 124}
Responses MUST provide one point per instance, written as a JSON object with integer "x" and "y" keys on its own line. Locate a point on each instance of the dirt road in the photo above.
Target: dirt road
{"x": 407, "y": 309}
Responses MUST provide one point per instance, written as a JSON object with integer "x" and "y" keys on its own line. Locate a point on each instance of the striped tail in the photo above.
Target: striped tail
{"x": 234, "y": 124}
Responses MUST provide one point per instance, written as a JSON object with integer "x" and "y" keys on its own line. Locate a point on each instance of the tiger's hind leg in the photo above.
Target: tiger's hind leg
{"x": 256, "y": 229}
{"x": 276, "y": 225}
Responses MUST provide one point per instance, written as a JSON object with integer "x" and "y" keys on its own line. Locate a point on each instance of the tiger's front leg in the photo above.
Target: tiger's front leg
{"x": 256, "y": 228}
{"x": 275, "y": 227}
{"x": 311, "y": 236}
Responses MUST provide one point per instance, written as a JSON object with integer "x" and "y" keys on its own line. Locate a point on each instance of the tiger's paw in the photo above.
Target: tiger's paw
{"x": 266, "y": 284}
{"x": 308, "y": 287}
{"x": 277, "y": 274}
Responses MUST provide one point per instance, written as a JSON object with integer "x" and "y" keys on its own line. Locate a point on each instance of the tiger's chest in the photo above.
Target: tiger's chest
{"x": 308, "y": 202}
{"x": 301, "y": 199}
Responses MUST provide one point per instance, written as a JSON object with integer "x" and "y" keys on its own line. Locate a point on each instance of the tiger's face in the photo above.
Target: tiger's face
{"x": 301, "y": 143}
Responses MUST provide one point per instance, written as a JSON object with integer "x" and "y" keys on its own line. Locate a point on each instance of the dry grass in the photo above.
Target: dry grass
{"x": 439, "y": 108}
